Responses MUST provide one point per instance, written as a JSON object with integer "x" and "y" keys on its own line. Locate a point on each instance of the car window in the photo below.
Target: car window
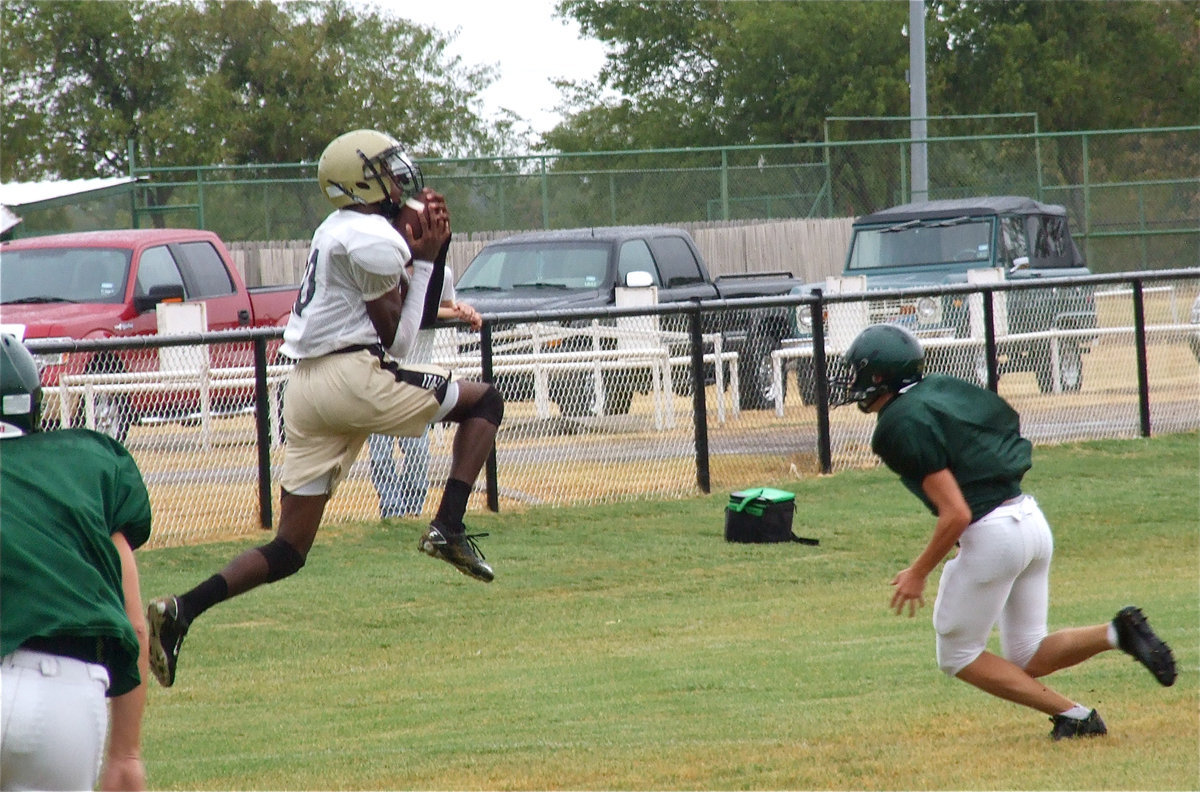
{"x": 635, "y": 257}
{"x": 203, "y": 270}
{"x": 922, "y": 242}
{"x": 157, "y": 268}
{"x": 677, "y": 263}
{"x": 1013, "y": 242}
{"x": 84, "y": 275}
{"x": 1052, "y": 246}
{"x": 567, "y": 265}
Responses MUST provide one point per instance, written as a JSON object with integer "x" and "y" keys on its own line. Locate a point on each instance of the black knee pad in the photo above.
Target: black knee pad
{"x": 282, "y": 559}
{"x": 490, "y": 407}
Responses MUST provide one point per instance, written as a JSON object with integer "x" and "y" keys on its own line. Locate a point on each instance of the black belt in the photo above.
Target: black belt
{"x": 374, "y": 349}
{"x": 87, "y": 649}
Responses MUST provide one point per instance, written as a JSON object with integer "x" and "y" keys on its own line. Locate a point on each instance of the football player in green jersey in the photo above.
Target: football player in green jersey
{"x": 959, "y": 449}
{"x": 74, "y": 507}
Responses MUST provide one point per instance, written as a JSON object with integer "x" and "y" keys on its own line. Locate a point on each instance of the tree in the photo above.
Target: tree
{"x": 709, "y": 72}
{"x": 1078, "y": 65}
{"x": 715, "y": 73}
{"x": 224, "y": 83}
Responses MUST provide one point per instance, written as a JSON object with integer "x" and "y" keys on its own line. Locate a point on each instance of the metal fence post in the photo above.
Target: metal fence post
{"x": 485, "y": 369}
{"x": 262, "y": 422}
{"x": 989, "y": 341}
{"x": 821, "y": 384}
{"x": 1139, "y": 340}
{"x": 699, "y": 406}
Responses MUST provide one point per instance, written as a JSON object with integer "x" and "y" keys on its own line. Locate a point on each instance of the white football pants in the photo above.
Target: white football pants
{"x": 1000, "y": 575}
{"x": 53, "y": 721}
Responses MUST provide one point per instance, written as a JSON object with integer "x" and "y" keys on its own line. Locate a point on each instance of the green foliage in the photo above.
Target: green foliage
{"x": 224, "y": 83}
{"x": 1079, "y": 65}
{"x": 710, "y": 73}
{"x": 629, "y": 647}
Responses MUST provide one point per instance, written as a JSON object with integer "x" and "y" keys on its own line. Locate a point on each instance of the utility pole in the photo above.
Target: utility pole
{"x": 917, "y": 111}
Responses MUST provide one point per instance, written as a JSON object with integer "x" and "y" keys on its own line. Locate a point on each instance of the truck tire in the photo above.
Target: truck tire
{"x": 967, "y": 363}
{"x": 575, "y": 394}
{"x": 757, "y": 390}
{"x": 112, "y": 411}
{"x": 806, "y": 382}
{"x": 1070, "y": 365}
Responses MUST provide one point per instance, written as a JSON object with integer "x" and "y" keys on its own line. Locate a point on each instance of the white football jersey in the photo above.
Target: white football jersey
{"x": 354, "y": 258}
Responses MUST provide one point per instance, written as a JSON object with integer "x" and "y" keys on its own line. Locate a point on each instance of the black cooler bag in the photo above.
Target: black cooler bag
{"x": 762, "y": 514}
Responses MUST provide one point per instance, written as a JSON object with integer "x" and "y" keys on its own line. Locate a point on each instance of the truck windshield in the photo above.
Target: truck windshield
{"x": 565, "y": 265}
{"x": 921, "y": 242}
{"x": 80, "y": 275}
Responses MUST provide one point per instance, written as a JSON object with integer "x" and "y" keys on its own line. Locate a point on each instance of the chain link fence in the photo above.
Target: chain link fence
{"x": 1133, "y": 195}
{"x": 633, "y": 404}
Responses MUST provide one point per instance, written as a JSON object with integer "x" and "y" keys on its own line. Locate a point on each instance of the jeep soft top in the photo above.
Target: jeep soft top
{"x": 1043, "y": 235}
{"x": 953, "y": 207}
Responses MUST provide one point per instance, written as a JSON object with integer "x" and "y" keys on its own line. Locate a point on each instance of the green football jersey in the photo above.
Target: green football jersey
{"x": 944, "y": 422}
{"x": 62, "y": 496}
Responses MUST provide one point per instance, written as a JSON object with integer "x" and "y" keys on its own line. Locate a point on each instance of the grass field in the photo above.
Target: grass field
{"x": 630, "y": 647}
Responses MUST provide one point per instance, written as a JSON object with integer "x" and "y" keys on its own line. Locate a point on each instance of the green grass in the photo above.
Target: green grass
{"x": 630, "y": 647}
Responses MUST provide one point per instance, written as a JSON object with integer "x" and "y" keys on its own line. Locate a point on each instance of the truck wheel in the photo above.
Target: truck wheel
{"x": 978, "y": 373}
{"x": 572, "y": 392}
{"x": 969, "y": 365}
{"x": 113, "y": 416}
{"x": 575, "y": 394}
{"x": 112, "y": 412}
{"x": 758, "y": 392}
{"x": 1070, "y": 369}
{"x": 806, "y": 382}
{"x": 281, "y": 360}
{"x": 618, "y": 396}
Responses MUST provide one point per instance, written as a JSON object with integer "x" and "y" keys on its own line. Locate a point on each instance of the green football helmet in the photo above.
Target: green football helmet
{"x": 354, "y": 166}
{"x": 883, "y": 358}
{"x": 20, "y": 389}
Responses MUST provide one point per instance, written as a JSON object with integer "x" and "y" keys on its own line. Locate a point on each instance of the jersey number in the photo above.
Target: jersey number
{"x": 308, "y": 287}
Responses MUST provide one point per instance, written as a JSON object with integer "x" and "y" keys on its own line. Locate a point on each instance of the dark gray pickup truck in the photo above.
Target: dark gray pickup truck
{"x": 581, "y": 268}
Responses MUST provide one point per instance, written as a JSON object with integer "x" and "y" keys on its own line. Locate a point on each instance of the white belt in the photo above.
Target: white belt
{"x": 50, "y": 665}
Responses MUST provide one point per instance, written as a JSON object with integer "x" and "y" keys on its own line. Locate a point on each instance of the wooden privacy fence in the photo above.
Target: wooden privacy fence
{"x": 810, "y": 249}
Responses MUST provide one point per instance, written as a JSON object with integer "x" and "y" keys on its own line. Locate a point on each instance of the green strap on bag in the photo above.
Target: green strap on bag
{"x": 755, "y": 501}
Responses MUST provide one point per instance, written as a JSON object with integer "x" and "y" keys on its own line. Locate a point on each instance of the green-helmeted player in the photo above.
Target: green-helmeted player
{"x": 73, "y": 507}
{"x": 958, "y": 448}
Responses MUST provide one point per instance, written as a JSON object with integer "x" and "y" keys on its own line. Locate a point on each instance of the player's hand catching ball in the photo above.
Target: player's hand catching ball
{"x": 424, "y": 222}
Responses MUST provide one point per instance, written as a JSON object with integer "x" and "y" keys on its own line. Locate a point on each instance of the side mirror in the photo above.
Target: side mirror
{"x": 639, "y": 279}
{"x": 162, "y": 293}
{"x": 1019, "y": 263}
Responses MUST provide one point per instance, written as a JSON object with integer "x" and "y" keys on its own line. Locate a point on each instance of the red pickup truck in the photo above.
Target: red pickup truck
{"x": 109, "y": 284}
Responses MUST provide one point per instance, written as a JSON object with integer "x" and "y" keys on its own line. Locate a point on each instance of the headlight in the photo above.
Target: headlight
{"x": 44, "y": 359}
{"x": 927, "y": 309}
{"x": 804, "y": 317}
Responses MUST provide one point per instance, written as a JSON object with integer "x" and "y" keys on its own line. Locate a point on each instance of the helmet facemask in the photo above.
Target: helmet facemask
{"x": 394, "y": 166}
{"x": 854, "y": 384}
{"x": 882, "y": 359}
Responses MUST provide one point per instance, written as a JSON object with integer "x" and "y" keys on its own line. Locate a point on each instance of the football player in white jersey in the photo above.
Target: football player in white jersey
{"x": 356, "y": 317}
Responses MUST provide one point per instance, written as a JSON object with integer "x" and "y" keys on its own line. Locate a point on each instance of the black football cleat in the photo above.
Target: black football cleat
{"x": 459, "y": 550}
{"x": 1066, "y": 728}
{"x": 167, "y": 632}
{"x": 1135, "y": 637}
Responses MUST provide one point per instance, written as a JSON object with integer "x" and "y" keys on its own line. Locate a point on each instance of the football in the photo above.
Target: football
{"x": 410, "y": 215}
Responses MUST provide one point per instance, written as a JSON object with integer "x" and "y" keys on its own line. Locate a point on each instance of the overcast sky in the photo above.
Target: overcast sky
{"x": 522, "y": 38}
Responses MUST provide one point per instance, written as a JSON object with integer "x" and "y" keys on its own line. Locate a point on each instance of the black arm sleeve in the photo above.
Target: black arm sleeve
{"x": 433, "y": 293}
